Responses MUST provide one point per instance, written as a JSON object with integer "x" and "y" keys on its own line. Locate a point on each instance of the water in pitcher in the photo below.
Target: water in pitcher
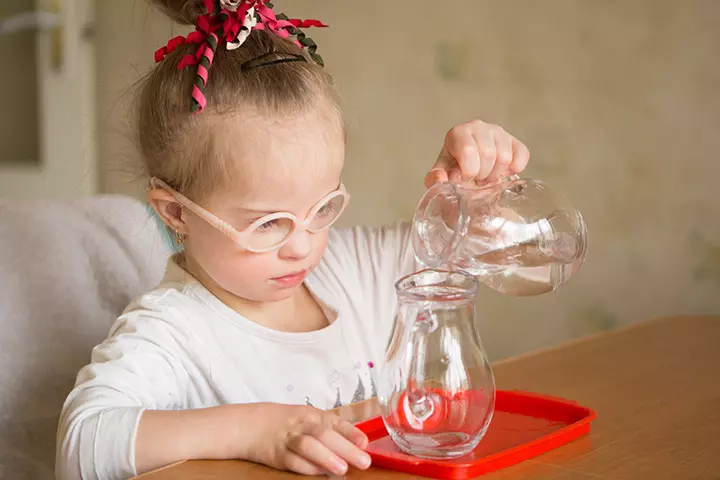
{"x": 523, "y": 269}
{"x": 518, "y": 237}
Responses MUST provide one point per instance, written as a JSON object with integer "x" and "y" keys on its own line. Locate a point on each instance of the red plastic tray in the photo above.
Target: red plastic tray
{"x": 524, "y": 426}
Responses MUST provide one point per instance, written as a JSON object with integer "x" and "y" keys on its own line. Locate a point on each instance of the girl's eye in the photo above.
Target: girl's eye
{"x": 267, "y": 226}
{"x": 326, "y": 210}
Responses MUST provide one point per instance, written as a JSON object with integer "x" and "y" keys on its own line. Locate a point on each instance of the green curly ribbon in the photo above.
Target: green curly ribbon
{"x": 307, "y": 42}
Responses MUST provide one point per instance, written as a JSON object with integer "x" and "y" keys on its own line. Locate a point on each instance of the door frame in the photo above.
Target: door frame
{"x": 67, "y": 167}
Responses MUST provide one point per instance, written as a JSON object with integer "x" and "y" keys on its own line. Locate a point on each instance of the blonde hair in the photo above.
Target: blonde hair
{"x": 182, "y": 148}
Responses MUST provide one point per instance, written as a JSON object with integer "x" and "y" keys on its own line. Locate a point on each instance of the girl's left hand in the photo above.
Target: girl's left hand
{"x": 480, "y": 153}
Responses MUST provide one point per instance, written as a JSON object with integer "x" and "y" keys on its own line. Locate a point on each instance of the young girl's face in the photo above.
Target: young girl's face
{"x": 283, "y": 165}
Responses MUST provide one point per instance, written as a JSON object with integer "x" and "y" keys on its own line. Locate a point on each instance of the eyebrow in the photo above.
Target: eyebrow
{"x": 254, "y": 211}
{"x": 259, "y": 211}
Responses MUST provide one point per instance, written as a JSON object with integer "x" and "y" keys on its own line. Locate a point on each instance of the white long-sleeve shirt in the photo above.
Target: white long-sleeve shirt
{"x": 179, "y": 347}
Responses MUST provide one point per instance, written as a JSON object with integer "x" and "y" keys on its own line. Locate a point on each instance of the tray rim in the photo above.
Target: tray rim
{"x": 512, "y": 456}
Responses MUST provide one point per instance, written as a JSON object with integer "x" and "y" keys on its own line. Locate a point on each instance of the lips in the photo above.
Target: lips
{"x": 292, "y": 280}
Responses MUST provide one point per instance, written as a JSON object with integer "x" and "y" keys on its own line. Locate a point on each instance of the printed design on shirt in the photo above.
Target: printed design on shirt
{"x": 359, "y": 394}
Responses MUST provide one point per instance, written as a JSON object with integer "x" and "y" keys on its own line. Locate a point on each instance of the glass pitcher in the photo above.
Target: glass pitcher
{"x": 517, "y": 236}
{"x": 436, "y": 389}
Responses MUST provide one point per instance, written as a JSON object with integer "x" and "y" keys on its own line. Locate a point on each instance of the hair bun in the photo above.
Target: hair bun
{"x": 184, "y": 12}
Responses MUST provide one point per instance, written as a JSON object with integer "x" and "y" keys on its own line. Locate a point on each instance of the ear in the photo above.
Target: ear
{"x": 168, "y": 209}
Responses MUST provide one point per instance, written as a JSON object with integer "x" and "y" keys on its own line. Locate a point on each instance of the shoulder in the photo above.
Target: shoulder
{"x": 160, "y": 319}
{"x": 362, "y": 259}
{"x": 356, "y": 241}
{"x": 164, "y": 307}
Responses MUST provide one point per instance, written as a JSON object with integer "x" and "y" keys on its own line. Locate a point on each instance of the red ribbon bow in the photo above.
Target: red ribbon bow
{"x": 223, "y": 26}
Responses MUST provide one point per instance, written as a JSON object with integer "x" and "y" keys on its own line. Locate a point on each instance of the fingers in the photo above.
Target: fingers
{"x": 344, "y": 448}
{"x": 311, "y": 449}
{"x": 480, "y": 152}
{"x": 485, "y": 140}
{"x": 436, "y": 175}
{"x": 463, "y": 151}
{"x": 455, "y": 175}
{"x": 331, "y": 446}
{"x": 352, "y": 433}
{"x": 512, "y": 158}
{"x": 503, "y": 156}
{"x": 521, "y": 156}
{"x": 298, "y": 464}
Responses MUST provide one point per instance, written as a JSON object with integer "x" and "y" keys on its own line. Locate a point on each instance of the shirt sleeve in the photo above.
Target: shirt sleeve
{"x": 380, "y": 254}
{"x": 372, "y": 260}
{"x": 135, "y": 369}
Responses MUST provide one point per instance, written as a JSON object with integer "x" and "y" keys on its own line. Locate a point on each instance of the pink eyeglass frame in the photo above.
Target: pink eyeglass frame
{"x": 241, "y": 237}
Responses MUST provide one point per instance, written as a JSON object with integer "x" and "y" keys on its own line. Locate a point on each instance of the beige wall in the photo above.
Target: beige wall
{"x": 618, "y": 101}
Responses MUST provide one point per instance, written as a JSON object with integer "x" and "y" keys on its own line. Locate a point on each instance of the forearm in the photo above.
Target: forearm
{"x": 292, "y": 437}
{"x": 165, "y": 437}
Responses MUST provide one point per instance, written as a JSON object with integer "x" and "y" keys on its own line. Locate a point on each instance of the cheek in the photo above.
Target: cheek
{"x": 241, "y": 273}
{"x": 224, "y": 261}
{"x": 215, "y": 252}
{"x": 203, "y": 239}
{"x": 319, "y": 242}
{"x": 244, "y": 273}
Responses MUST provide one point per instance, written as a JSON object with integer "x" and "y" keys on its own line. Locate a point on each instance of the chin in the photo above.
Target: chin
{"x": 286, "y": 292}
{"x": 276, "y": 294}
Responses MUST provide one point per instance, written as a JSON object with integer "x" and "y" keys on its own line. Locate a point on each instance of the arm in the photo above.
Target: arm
{"x": 169, "y": 436}
{"x": 378, "y": 255}
{"x": 474, "y": 153}
{"x": 289, "y": 437}
{"x": 365, "y": 263}
{"x": 136, "y": 369}
{"x": 128, "y": 414}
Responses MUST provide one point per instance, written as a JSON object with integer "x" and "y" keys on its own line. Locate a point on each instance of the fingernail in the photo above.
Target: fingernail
{"x": 365, "y": 461}
{"x": 339, "y": 467}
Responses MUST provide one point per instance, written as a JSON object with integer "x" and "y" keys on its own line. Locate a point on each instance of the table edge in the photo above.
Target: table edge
{"x": 641, "y": 324}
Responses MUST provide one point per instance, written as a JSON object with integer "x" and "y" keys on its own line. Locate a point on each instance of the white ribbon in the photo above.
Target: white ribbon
{"x": 248, "y": 24}
{"x": 230, "y": 5}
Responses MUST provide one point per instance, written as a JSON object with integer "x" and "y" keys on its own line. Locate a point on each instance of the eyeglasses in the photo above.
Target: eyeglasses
{"x": 271, "y": 231}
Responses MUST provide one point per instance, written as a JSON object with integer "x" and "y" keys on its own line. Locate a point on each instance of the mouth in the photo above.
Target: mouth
{"x": 292, "y": 280}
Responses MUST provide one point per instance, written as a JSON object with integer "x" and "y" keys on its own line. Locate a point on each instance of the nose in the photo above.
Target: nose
{"x": 299, "y": 246}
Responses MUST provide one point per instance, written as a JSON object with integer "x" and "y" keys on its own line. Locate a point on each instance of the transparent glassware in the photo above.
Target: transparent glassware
{"x": 436, "y": 389}
{"x": 518, "y": 236}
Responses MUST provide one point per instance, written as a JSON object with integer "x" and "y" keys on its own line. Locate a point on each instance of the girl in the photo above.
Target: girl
{"x": 267, "y": 317}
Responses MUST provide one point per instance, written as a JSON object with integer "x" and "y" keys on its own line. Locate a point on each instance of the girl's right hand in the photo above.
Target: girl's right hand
{"x": 305, "y": 440}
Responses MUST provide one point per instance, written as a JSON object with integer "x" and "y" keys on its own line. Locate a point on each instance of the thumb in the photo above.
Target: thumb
{"x": 436, "y": 175}
{"x": 445, "y": 160}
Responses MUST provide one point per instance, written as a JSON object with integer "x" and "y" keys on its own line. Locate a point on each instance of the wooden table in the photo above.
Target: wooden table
{"x": 655, "y": 386}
